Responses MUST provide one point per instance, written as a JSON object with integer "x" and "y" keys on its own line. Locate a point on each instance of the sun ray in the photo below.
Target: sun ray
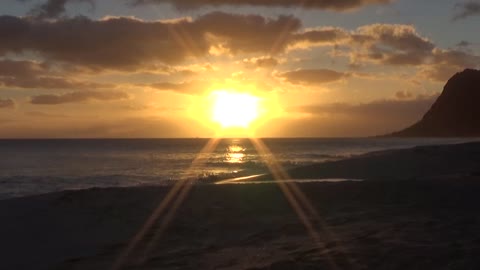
{"x": 167, "y": 218}
{"x": 299, "y": 202}
{"x": 181, "y": 188}
{"x": 173, "y": 200}
{"x": 283, "y": 36}
{"x": 181, "y": 37}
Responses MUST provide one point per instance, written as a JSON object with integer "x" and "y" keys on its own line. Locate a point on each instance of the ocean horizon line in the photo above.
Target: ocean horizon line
{"x": 222, "y": 138}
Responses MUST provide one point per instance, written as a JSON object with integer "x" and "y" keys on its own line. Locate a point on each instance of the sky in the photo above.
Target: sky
{"x": 151, "y": 68}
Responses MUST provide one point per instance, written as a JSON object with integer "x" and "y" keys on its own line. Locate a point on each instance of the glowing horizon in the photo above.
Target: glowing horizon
{"x": 315, "y": 73}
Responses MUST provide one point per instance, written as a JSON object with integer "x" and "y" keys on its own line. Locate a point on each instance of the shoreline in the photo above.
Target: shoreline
{"x": 388, "y": 221}
{"x": 390, "y": 164}
{"x": 420, "y": 162}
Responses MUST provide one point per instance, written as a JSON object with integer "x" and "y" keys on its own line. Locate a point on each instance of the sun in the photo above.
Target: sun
{"x": 234, "y": 109}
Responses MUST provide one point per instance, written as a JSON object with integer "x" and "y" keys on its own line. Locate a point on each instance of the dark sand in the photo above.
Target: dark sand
{"x": 417, "y": 209}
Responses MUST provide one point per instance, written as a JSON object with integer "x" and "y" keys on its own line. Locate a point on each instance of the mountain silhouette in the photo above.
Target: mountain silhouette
{"x": 456, "y": 112}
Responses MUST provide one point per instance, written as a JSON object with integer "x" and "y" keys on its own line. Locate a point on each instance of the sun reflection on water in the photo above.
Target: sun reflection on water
{"x": 235, "y": 154}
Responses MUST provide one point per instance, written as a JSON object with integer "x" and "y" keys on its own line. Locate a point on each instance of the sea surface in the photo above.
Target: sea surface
{"x": 30, "y": 167}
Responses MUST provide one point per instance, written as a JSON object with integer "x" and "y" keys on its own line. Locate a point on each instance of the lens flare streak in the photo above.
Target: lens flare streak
{"x": 301, "y": 205}
{"x": 178, "y": 193}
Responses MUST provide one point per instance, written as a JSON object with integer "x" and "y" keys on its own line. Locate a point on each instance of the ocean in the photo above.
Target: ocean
{"x": 29, "y": 167}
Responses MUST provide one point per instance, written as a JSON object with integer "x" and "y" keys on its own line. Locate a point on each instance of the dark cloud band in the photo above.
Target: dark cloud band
{"x": 466, "y": 9}
{"x": 54, "y": 8}
{"x": 336, "y": 5}
{"x": 127, "y": 43}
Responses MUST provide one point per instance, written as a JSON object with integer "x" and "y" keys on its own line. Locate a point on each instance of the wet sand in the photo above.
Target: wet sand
{"x": 421, "y": 213}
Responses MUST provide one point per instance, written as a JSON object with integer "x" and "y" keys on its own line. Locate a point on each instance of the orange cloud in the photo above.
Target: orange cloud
{"x": 78, "y": 97}
{"x": 260, "y": 62}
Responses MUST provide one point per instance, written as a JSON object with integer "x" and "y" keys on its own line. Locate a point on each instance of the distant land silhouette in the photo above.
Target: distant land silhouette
{"x": 456, "y": 112}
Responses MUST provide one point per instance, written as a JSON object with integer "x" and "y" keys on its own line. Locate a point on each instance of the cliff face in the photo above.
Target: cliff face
{"x": 456, "y": 112}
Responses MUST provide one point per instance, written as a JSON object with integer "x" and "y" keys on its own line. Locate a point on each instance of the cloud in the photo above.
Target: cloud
{"x": 334, "y": 5}
{"x": 391, "y": 44}
{"x": 387, "y": 44}
{"x": 10, "y": 68}
{"x": 384, "y": 44}
{"x": 402, "y": 45}
{"x": 78, "y": 97}
{"x": 455, "y": 58}
{"x": 313, "y": 76}
{"x": 320, "y": 37}
{"x": 7, "y": 103}
{"x": 116, "y": 43}
{"x": 260, "y": 62}
{"x": 127, "y": 44}
{"x": 53, "y": 8}
{"x": 445, "y": 63}
{"x": 30, "y": 74}
{"x": 123, "y": 43}
{"x": 463, "y": 44}
{"x": 249, "y": 33}
{"x": 466, "y": 9}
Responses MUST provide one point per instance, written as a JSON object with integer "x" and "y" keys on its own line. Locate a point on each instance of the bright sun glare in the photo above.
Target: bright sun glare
{"x": 233, "y": 109}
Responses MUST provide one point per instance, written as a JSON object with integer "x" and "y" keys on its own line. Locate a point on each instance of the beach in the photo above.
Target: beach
{"x": 414, "y": 209}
